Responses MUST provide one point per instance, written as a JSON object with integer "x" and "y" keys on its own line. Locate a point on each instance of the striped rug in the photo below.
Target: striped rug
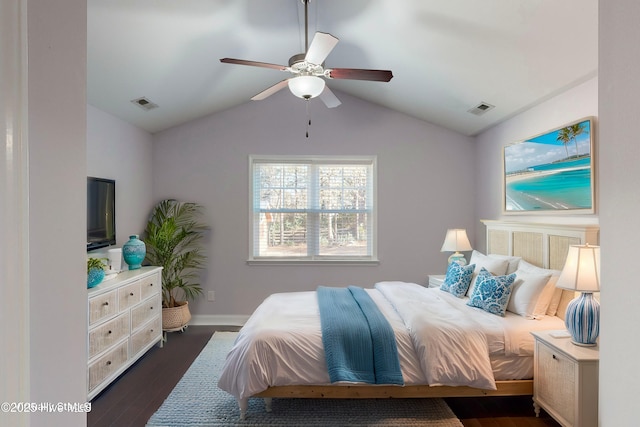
{"x": 197, "y": 401}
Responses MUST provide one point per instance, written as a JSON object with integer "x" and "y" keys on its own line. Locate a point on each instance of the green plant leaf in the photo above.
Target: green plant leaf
{"x": 96, "y": 263}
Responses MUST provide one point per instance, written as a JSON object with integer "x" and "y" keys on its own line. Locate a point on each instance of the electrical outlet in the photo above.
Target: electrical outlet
{"x": 211, "y": 296}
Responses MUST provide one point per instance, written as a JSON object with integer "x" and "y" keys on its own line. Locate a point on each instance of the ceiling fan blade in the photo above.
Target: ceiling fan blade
{"x": 271, "y": 90}
{"x": 329, "y": 99}
{"x": 253, "y": 63}
{"x": 358, "y": 74}
{"x": 321, "y": 45}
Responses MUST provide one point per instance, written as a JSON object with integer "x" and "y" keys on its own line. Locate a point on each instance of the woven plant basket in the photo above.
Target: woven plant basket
{"x": 176, "y": 318}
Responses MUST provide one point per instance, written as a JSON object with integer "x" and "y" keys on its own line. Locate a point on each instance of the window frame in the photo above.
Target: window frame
{"x": 315, "y": 259}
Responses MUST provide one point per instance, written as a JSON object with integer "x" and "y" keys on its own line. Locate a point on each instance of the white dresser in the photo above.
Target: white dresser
{"x": 125, "y": 321}
{"x": 565, "y": 380}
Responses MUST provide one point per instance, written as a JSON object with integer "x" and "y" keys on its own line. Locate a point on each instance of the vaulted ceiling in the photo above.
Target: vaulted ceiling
{"x": 446, "y": 56}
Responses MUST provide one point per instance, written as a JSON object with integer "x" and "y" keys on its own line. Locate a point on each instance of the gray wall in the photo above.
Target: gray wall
{"x": 619, "y": 91}
{"x": 121, "y": 151}
{"x": 425, "y": 185}
{"x": 56, "y": 137}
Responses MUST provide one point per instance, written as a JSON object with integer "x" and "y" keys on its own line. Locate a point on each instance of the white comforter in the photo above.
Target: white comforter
{"x": 440, "y": 340}
{"x": 450, "y": 340}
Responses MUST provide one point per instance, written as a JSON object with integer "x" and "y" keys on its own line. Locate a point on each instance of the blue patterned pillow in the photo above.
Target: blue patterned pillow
{"x": 492, "y": 293}
{"x": 458, "y": 279}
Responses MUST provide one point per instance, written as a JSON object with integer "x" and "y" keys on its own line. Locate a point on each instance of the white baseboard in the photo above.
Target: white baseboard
{"x": 220, "y": 319}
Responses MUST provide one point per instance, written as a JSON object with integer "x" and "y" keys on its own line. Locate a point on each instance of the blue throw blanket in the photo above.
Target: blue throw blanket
{"x": 359, "y": 343}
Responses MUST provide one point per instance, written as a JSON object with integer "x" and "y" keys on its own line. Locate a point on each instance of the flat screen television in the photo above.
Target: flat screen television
{"x": 101, "y": 212}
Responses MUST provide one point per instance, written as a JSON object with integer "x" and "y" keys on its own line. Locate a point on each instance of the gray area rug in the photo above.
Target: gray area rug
{"x": 197, "y": 401}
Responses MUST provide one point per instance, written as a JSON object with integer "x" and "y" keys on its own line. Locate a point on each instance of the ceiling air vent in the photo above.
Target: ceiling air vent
{"x": 481, "y": 108}
{"x": 144, "y": 103}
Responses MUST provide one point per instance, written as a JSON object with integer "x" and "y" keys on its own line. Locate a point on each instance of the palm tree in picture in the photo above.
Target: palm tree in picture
{"x": 574, "y": 131}
{"x": 564, "y": 135}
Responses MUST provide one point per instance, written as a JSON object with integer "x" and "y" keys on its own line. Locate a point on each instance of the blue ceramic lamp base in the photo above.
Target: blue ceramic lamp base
{"x": 458, "y": 258}
{"x": 582, "y": 319}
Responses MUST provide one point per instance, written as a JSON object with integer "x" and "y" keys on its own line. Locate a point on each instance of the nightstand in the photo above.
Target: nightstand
{"x": 435, "y": 280}
{"x": 565, "y": 380}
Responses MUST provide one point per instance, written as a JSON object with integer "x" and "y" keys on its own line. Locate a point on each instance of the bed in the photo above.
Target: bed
{"x": 456, "y": 350}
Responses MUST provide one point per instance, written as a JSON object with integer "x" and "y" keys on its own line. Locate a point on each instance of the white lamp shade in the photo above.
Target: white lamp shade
{"x": 456, "y": 240}
{"x": 581, "y": 270}
{"x": 306, "y": 86}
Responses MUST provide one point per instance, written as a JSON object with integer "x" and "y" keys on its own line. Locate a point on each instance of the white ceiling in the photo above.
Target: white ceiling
{"x": 446, "y": 56}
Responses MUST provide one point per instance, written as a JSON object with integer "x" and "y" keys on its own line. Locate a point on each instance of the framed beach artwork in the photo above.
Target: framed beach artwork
{"x": 552, "y": 172}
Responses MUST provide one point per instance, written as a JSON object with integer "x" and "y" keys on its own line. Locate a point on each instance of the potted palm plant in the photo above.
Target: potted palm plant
{"x": 173, "y": 237}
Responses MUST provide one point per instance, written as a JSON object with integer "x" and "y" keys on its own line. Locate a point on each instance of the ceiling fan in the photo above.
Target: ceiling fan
{"x": 308, "y": 69}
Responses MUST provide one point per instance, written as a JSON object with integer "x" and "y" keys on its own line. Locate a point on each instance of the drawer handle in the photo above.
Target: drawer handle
{"x": 131, "y": 293}
{"x": 150, "y": 284}
{"x": 151, "y": 330}
{"x": 554, "y": 356}
{"x": 106, "y": 303}
{"x": 109, "y": 332}
{"x": 108, "y": 362}
{"x": 151, "y": 308}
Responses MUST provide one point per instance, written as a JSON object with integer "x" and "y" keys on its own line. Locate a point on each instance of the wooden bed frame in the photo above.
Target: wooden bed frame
{"x": 545, "y": 245}
{"x": 357, "y": 391}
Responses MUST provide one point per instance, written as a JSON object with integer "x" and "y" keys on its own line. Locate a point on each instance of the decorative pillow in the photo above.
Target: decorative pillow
{"x": 492, "y": 293}
{"x": 513, "y": 261}
{"x": 550, "y": 296}
{"x": 495, "y": 266}
{"x": 526, "y": 291}
{"x": 556, "y": 296}
{"x": 457, "y": 279}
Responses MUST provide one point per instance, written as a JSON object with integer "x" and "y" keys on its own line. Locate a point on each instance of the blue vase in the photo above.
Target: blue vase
{"x": 95, "y": 277}
{"x": 134, "y": 252}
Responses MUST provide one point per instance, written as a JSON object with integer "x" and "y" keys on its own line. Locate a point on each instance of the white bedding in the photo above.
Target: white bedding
{"x": 451, "y": 342}
{"x": 281, "y": 343}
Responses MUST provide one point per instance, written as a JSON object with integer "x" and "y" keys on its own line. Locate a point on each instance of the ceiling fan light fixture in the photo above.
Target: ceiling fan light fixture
{"x": 306, "y": 87}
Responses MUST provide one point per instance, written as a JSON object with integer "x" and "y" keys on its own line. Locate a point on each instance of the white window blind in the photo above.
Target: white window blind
{"x": 313, "y": 209}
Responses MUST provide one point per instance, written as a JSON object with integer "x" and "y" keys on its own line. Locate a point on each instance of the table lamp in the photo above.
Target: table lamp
{"x": 456, "y": 240}
{"x": 581, "y": 273}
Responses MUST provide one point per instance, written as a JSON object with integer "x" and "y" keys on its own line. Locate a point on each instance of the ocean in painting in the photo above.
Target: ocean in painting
{"x": 553, "y": 186}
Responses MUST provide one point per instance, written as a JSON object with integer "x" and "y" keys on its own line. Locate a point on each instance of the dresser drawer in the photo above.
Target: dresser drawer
{"x": 128, "y": 296}
{"x": 108, "y": 364}
{"x": 150, "y": 285}
{"x": 150, "y": 332}
{"x": 145, "y": 311}
{"x": 102, "y": 337}
{"x": 102, "y": 306}
{"x": 556, "y": 383}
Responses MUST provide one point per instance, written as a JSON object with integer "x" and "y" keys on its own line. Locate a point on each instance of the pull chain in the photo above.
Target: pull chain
{"x": 308, "y": 116}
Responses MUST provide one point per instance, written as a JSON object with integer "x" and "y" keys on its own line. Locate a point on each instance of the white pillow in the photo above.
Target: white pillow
{"x": 549, "y": 298}
{"x": 526, "y": 292}
{"x": 513, "y": 261}
{"x": 495, "y": 266}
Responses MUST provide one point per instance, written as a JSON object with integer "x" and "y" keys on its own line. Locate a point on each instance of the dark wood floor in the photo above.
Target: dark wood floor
{"x": 136, "y": 395}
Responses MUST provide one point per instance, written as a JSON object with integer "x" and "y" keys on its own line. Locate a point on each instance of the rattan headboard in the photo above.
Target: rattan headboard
{"x": 544, "y": 245}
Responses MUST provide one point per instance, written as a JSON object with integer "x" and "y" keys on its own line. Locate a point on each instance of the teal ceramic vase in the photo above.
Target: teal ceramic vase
{"x": 95, "y": 277}
{"x": 134, "y": 252}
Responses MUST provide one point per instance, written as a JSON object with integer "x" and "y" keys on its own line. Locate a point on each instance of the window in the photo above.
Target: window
{"x": 313, "y": 209}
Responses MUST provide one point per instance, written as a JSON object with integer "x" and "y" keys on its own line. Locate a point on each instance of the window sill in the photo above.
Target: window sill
{"x": 289, "y": 262}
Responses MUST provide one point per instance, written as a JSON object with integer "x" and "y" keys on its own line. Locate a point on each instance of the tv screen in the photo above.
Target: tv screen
{"x": 101, "y": 212}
